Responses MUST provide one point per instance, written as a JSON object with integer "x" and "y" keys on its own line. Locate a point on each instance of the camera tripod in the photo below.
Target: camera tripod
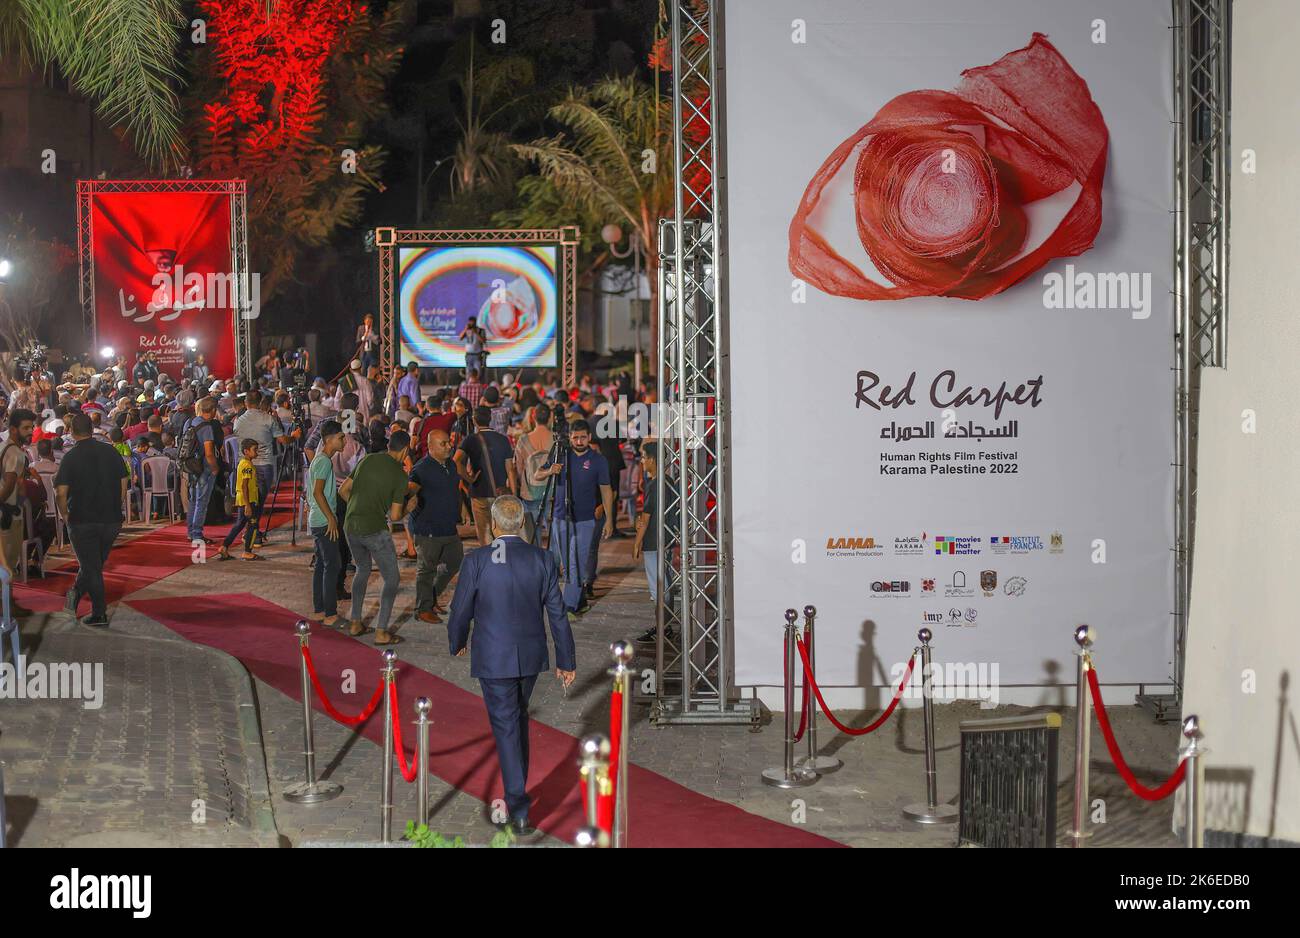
{"x": 288, "y": 465}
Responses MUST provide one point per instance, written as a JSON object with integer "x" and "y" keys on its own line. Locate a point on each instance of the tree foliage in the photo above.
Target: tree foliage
{"x": 283, "y": 100}
{"x": 121, "y": 54}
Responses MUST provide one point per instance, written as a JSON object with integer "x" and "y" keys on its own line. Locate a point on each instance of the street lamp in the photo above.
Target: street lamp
{"x": 612, "y": 234}
{"x": 5, "y": 268}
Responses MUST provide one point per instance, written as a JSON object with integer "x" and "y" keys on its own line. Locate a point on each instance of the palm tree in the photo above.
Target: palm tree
{"x": 492, "y": 104}
{"x": 614, "y": 165}
{"x": 120, "y": 54}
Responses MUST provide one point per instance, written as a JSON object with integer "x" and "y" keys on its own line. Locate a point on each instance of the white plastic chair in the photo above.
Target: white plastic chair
{"x": 155, "y": 472}
{"x": 52, "y": 506}
{"x": 29, "y": 540}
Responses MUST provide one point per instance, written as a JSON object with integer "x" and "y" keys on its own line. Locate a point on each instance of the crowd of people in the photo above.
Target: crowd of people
{"x": 375, "y": 457}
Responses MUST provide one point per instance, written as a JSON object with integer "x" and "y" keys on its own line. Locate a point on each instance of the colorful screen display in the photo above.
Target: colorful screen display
{"x": 510, "y": 291}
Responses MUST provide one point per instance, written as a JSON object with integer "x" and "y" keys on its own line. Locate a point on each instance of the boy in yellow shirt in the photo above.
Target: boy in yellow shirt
{"x": 246, "y": 502}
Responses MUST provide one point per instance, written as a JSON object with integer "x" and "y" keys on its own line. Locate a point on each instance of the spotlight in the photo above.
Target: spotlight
{"x": 5, "y": 268}
{"x": 106, "y": 352}
{"x": 191, "y": 344}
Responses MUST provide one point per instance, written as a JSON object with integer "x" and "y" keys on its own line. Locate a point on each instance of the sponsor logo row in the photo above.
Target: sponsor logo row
{"x": 945, "y": 545}
{"x": 957, "y": 587}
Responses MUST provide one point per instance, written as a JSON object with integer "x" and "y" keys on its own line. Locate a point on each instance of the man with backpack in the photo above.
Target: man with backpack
{"x": 200, "y": 458}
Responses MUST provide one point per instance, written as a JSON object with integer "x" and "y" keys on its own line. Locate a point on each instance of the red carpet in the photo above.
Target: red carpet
{"x": 663, "y": 814}
{"x": 136, "y": 564}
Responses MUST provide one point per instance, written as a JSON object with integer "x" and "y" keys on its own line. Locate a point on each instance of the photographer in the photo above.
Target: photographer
{"x": 13, "y": 464}
{"x": 259, "y": 424}
{"x": 582, "y": 489}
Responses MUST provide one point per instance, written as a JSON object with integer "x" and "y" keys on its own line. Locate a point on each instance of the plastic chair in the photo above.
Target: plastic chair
{"x": 29, "y": 540}
{"x": 52, "y": 506}
{"x": 155, "y": 478}
{"x": 8, "y": 624}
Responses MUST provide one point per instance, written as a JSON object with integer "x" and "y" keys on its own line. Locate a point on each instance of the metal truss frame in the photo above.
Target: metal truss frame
{"x": 694, "y": 660}
{"x": 237, "y": 189}
{"x": 1202, "y": 51}
{"x": 388, "y": 240}
{"x": 693, "y": 653}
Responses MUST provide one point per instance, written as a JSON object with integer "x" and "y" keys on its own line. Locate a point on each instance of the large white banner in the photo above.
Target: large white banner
{"x": 949, "y": 239}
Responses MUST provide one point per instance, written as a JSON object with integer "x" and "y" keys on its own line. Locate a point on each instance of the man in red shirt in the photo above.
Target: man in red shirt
{"x": 434, "y": 420}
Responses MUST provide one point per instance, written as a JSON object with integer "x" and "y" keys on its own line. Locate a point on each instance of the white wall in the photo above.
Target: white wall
{"x": 1247, "y": 552}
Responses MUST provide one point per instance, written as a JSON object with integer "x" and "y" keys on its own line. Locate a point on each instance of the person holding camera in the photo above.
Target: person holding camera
{"x": 582, "y": 491}
{"x": 13, "y": 464}
{"x": 258, "y": 423}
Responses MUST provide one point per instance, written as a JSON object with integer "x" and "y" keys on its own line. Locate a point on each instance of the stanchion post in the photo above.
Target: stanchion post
{"x": 1194, "y": 782}
{"x": 594, "y": 770}
{"x": 422, "y": 754}
{"x": 822, "y": 765}
{"x": 1084, "y": 636}
{"x": 622, "y": 653}
{"x": 386, "y": 792}
{"x": 931, "y": 812}
{"x": 310, "y": 791}
{"x": 789, "y": 775}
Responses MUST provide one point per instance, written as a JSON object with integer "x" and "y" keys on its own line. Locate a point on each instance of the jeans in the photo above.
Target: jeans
{"x": 368, "y": 359}
{"x": 325, "y": 575}
{"x": 577, "y": 546}
{"x": 200, "y": 491}
{"x": 265, "y": 482}
{"x": 440, "y": 558}
{"x": 379, "y": 548}
{"x": 652, "y": 572}
{"x": 474, "y": 362}
{"x": 91, "y": 543}
{"x": 245, "y": 520}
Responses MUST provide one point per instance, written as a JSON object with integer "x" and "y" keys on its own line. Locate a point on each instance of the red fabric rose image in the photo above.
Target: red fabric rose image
{"x": 941, "y": 178}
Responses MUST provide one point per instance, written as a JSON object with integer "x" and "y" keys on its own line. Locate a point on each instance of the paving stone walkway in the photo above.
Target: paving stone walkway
{"x": 860, "y": 805}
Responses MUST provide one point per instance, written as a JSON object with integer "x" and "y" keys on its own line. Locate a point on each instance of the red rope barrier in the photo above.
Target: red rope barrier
{"x": 1149, "y": 794}
{"x": 605, "y": 804}
{"x": 407, "y": 773}
{"x": 329, "y": 707}
{"x": 898, "y": 695}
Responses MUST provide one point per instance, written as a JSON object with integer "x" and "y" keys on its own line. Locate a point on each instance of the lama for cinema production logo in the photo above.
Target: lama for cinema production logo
{"x": 1015, "y": 586}
{"x": 957, "y": 546}
{"x": 888, "y": 588}
{"x": 1015, "y": 544}
{"x": 854, "y": 547}
{"x": 910, "y": 546}
{"x": 1058, "y": 543}
{"x": 989, "y": 581}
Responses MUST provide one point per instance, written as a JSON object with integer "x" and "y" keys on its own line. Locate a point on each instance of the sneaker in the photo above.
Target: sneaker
{"x": 650, "y": 636}
{"x": 96, "y": 621}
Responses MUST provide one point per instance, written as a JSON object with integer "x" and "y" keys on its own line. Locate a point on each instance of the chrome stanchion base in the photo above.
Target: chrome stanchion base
{"x": 312, "y": 792}
{"x": 924, "y": 814}
{"x": 800, "y": 779}
{"x": 822, "y": 765}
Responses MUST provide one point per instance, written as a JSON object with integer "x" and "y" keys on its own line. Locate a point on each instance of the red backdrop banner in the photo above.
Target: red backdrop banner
{"x": 162, "y": 275}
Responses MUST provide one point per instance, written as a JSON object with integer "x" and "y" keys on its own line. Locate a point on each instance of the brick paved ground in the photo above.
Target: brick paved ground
{"x": 860, "y": 805}
{"x": 171, "y": 758}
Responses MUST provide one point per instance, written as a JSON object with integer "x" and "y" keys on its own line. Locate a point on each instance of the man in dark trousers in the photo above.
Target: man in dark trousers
{"x": 91, "y": 488}
{"x": 504, "y": 588}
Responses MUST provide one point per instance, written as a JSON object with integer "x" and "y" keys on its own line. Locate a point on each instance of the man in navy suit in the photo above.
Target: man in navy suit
{"x": 504, "y": 588}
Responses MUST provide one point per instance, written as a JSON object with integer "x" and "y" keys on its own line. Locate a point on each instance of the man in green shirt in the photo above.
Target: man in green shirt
{"x": 376, "y": 494}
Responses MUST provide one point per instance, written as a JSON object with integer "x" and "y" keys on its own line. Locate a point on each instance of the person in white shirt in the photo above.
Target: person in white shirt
{"x": 45, "y": 461}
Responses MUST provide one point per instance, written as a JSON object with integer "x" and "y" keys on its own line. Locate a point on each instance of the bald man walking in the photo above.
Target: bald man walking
{"x": 435, "y": 482}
